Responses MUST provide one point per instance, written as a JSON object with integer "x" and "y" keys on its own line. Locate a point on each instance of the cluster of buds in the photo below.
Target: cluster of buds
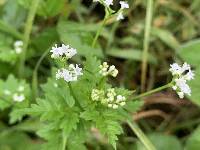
{"x": 181, "y": 74}
{"x": 109, "y": 98}
{"x": 106, "y": 70}
{"x": 108, "y": 3}
{"x": 73, "y": 71}
{"x": 17, "y": 96}
{"x": 18, "y": 46}
{"x": 64, "y": 51}
{"x": 70, "y": 74}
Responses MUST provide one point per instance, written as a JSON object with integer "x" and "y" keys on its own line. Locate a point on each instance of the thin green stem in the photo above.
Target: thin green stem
{"x": 64, "y": 142}
{"x": 149, "y": 14}
{"x": 35, "y": 75}
{"x": 142, "y": 137}
{"x": 99, "y": 31}
{"x": 152, "y": 91}
{"x": 27, "y": 32}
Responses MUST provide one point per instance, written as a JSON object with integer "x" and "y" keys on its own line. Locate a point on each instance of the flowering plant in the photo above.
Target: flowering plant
{"x": 74, "y": 95}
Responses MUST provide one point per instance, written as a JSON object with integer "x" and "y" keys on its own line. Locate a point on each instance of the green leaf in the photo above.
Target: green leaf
{"x": 69, "y": 122}
{"x": 189, "y": 51}
{"x": 162, "y": 142}
{"x": 193, "y": 142}
{"x": 130, "y": 54}
{"x": 77, "y": 36}
{"x": 166, "y": 36}
{"x": 17, "y": 141}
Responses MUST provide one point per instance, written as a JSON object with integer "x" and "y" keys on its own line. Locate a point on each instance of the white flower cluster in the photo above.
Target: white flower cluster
{"x": 108, "y": 3}
{"x": 181, "y": 75}
{"x": 73, "y": 71}
{"x": 124, "y": 5}
{"x": 70, "y": 74}
{"x": 64, "y": 51}
{"x": 106, "y": 70}
{"x": 110, "y": 98}
{"x": 18, "y": 45}
{"x": 17, "y": 96}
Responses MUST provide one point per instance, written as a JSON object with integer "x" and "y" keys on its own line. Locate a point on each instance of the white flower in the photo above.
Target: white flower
{"x": 21, "y": 88}
{"x": 189, "y": 76}
{"x": 18, "y": 45}
{"x": 70, "y": 74}
{"x": 115, "y": 106}
{"x": 182, "y": 85}
{"x": 67, "y": 76}
{"x": 180, "y": 94}
{"x": 69, "y": 52}
{"x": 124, "y": 4}
{"x": 96, "y": 94}
{"x": 76, "y": 69}
{"x": 63, "y": 51}
{"x": 181, "y": 74}
{"x": 56, "y": 52}
{"x": 105, "y": 70}
{"x": 6, "y": 92}
{"x": 18, "y": 98}
{"x": 108, "y": 2}
{"x": 59, "y": 74}
{"x": 175, "y": 69}
{"x": 113, "y": 71}
{"x": 120, "y": 16}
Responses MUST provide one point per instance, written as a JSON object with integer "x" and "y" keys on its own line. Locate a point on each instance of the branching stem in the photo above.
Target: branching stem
{"x": 152, "y": 91}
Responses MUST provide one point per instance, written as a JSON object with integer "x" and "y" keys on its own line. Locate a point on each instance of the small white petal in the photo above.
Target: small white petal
{"x": 18, "y": 98}
{"x": 124, "y": 4}
{"x": 108, "y": 2}
{"x": 181, "y": 95}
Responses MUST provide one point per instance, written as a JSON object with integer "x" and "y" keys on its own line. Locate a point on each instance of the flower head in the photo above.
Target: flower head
{"x": 70, "y": 74}
{"x": 108, "y": 97}
{"x": 106, "y": 70}
{"x": 18, "y": 97}
{"x": 64, "y": 51}
{"x": 18, "y": 46}
{"x": 124, "y": 5}
{"x": 108, "y": 2}
{"x": 181, "y": 75}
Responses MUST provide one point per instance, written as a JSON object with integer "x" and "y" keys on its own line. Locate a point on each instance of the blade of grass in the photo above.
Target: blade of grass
{"x": 142, "y": 137}
{"x": 149, "y": 14}
{"x": 27, "y": 32}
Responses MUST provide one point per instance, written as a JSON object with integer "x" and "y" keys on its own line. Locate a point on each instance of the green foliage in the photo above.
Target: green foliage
{"x": 8, "y": 89}
{"x": 193, "y": 142}
{"x": 78, "y": 36}
{"x": 47, "y": 8}
{"x": 17, "y": 140}
{"x": 164, "y": 142}
{"x": 189, "y": 53}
